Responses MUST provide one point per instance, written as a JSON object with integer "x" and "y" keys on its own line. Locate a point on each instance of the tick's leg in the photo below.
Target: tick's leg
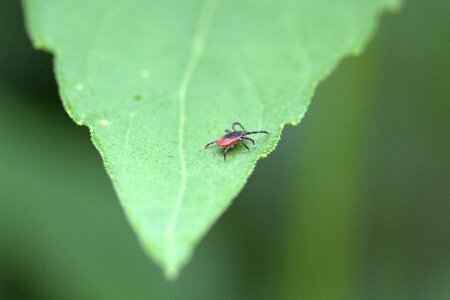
{"x": 242, "y": 142}
{"x": 226, "y": 150}
{"x": 239, "y": 124}
{"x": 259, "y": 131}
{"x": 207, "y": 145}
{"x": 249, "y": 139}
{"x": 227, "y": 131}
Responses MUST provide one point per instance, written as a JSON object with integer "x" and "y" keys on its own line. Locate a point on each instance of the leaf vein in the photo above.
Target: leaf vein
{"x": 201, "y": 33}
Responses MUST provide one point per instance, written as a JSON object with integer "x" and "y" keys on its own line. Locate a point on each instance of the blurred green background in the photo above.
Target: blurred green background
{"x": 353, "y": 204}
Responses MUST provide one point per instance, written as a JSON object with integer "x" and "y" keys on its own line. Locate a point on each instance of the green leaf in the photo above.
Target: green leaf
{"x": 156, "y": 80}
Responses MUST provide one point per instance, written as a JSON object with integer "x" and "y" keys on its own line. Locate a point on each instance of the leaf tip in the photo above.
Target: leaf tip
{"x": 171, "y": 273}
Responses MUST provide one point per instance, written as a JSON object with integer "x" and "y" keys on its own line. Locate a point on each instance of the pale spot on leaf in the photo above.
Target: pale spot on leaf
{"x": 145, "y": 73}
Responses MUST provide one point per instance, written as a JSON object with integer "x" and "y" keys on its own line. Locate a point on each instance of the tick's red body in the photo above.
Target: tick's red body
{"x": 231, "y": 138}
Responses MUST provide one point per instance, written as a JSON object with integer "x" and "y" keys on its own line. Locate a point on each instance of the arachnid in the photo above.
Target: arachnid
{"x": 231, "y": 138}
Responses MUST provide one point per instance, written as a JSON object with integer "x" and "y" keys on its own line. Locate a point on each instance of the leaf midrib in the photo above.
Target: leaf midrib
{"x": 202, "y": 29}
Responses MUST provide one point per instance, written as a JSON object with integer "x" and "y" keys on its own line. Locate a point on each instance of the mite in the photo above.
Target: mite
{"x": 231, "y": 138}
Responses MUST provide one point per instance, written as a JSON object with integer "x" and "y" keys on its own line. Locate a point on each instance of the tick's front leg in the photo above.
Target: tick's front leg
{"x": 247, "y": 138}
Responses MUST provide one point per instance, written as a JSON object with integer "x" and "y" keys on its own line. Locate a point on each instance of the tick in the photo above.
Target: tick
{"x": 231, "y": 138}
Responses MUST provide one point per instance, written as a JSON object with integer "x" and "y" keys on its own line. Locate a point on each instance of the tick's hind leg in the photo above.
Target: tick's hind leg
{"x": 207, "y": 145}
{"x": 247, "y": 138}
{"x": 226, "y": 150}
{"x": 239, "y": 124}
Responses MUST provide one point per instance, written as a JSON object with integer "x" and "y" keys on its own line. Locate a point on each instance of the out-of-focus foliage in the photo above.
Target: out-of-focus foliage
{"x": 352, "y": 205}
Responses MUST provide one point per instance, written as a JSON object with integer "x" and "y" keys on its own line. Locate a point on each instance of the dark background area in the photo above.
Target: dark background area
{"x": 353, "y": 204}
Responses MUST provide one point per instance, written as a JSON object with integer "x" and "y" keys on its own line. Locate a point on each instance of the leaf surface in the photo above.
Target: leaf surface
{"x": 156, "y": 80}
